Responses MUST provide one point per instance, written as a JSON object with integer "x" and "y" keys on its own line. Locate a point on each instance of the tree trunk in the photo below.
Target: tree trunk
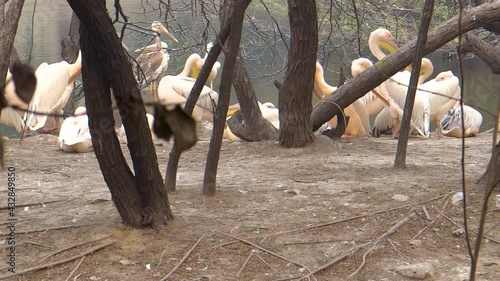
{"x": 256, "y": 127}
{"x": 70, "y": 45}
{"x": 147, "y": 190}
{"x": 238, "y": 8}
{"x": 488, "y": 53}
{"x": 437, "y": 37}
{"x": 8, "y": 28}
{"x": 295, "y": 104}
{"x": 400, "y": 161}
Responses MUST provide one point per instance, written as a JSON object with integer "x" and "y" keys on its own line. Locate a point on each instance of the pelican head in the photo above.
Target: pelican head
{"x": 381, "y": 39}
{"x": 360, "y": 65}
{"x": 157, "y": 26}
{"x": 444, "y": 75}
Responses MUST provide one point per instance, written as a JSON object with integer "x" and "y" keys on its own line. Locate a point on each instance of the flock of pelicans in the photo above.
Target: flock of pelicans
{"x": 435, "y": 100}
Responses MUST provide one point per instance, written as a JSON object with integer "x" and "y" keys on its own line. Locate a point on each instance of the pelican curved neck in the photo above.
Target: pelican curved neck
{"x": 188, "y": 66}
{"x": 320, "y": 83}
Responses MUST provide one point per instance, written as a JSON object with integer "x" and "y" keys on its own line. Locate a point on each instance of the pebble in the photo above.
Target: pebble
{"x": 457, "y": 199}
{"x": 418, "y": 271}
{"x": 400, "y": 197}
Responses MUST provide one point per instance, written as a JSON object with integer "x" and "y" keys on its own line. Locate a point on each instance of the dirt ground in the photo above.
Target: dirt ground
{"x": 278, "y": 213}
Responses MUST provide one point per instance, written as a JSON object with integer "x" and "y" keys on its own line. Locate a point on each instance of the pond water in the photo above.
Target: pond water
{"x": 39, "y": 40}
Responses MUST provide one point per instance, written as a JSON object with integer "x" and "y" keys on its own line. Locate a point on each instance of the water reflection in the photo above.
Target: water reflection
{"x": 52, "y": 18}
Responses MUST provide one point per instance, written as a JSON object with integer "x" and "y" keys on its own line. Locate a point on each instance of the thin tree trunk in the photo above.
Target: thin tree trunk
{"x": 437, "y": 37}
{"x": 174, "y": 156}
{"x": 400, "y": 161}
{"x": 8, "y": 27}
{"x": 295, "y": 104}
{"x": 238, "y": 12}
{"x": 70, "y": 45}
{"x": 114, "y": 61}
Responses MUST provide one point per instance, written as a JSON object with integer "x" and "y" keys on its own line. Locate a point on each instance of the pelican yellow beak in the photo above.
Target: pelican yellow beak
{"x": 166, "y": 32}
{"x": 230, "y": 112}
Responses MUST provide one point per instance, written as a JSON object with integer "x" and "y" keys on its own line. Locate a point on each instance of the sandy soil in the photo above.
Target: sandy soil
{"x": 302, "y": 207}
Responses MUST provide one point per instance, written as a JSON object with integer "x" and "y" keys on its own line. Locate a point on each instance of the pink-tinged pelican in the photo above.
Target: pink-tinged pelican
{"x": 359, "y": 124}
{"x": 153, "y": 61}
{"x": 451, "y": 123}
{"x": 54, "y": 86}
{"x": 268, "y": 111}
{"x": 74, "y": 135}
{"x": 443, "y": 93}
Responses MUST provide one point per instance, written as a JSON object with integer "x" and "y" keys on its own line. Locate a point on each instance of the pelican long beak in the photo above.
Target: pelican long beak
{"x": 391, "y": 46}
{"x": 166, "y": 32}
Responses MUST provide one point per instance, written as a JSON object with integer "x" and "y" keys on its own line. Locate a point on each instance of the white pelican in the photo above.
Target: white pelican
{"x": 397, "y": 87}
{"x": 154, "y": 61}
{"x": 378, "y": 98}
{"x": 74, "y": 135}
{"x": 446, "y": 87}
{"x": 194, "y": 63}
{"x": 358, "y": 125}
{"x": 54, "y": 86}
{"x": 381, "y": 39}
{"x": 268, "y": 110}
{"x": 451, "y": 122}
{"x": 122, "y": 137}
{"x": 174, "y": 90}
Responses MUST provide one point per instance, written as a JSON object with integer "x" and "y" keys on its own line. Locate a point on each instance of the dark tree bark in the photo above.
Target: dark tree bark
{"x": 70, "y": 45}
{"x": 8, "y": 27}
{"x": 237, "y": 8}
{"x": 255, "y": 127}
{"x": 437, "y": 37}
{"x": 400, "y": 161}
{"x": 486, "y": 52}
{"x": 295, "y": 104}
{"x": 145, "y": 188}
{"x": 493, "y": 26}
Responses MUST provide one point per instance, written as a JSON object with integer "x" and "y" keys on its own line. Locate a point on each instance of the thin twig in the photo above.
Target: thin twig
{"x": 264, "y": 249}
{"x": 50, "y": 228}
{"x": 63, "y": 261}
{"x": 245, "y": 263}
{"x": 183, "y": 259}
{"x": 389, "y": 232}
{"x": 73, "y": 246}
{"x": 37, "y": 203}
{"x": 265, "y": 262}
{"x": 396, "y": 250}
{"x": 462, "y": 228}
{"x": 75, "y": 269}
{"x": 426, "y": 213}
{"x": 428, "y": 225}
{"x": 22, "y": 243}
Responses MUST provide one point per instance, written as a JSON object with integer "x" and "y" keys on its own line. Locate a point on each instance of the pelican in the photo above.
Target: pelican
{"x": 378, "y": 98}
{"x": 74, "y": 135}
{"x": 381, "y": 39}
{"x": 446, "y": 87}
{"x": 397, "y": 87}
{"x": 123, "y": 137}
{"x": 359, "y": 125}
{"x": 268, "y": 111}
{"x": 54, "y": 86}
{"x": 451, "y": 122}
{"x": 194, "y": 63}
{"x": 174, "y": 90}
{"x": 153, "y": 61}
